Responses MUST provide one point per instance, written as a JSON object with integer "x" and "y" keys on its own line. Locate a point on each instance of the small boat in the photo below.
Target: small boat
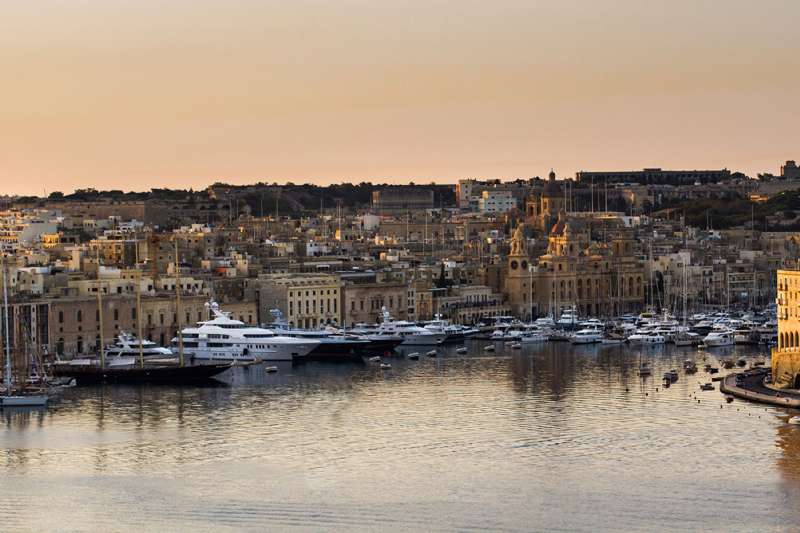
{"x": 742, "y": 361}
{"x": 489, "y": 348}
{"x": 376, "y": 359}
{"x": 462, "y": 349}
{"x": 24, "y": 400}
{"x": 717, "y": 378}
{"x": 385, "y": 366}
{"x": 270, "y": 369}
{"x": 414, "y": 356}
{"x": 432, "y": 353}
{"x": 672, "y": 375}
{"x": 516, "y": 345}
{"x": 712, "y": 370}
{"x": 729, "y": 398}
{"x": 795, "y": 420}
{"x": 707, "y": 386}
{"x": 644, "y": 369}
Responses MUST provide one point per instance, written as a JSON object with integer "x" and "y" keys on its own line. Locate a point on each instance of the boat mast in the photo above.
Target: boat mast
{"x": 139, "y": 307}
{"x": 6, "y": 339}
{"x": 100, "y": 313}
{"x": 178, "y": 304}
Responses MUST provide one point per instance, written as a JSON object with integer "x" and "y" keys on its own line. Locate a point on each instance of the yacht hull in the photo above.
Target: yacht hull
{"x": 172, "y": 375}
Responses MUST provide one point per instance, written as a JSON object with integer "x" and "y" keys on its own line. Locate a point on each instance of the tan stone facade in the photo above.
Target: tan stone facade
{"x": 306, "y": 300}
{"x": 362, "y": 302}
{"x": 596, "y": 279}
{"x": 786, "y": 357}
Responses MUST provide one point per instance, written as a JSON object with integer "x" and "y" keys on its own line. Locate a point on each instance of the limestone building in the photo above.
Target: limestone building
{"x": 786, "y": 357}
{"x": 599, "y": 279}
{"x": 541, "y": 210}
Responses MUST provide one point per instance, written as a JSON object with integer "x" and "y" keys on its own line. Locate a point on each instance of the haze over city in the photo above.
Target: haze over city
{"x": 134, "y": 95}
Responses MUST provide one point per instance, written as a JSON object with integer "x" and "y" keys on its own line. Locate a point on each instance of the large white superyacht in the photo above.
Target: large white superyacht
{"x": 225, "y": 339}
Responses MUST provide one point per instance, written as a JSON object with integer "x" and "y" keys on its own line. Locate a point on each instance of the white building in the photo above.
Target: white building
{"x": 496, "y": 202}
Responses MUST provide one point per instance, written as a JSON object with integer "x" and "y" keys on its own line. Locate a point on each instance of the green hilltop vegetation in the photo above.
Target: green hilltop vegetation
{"x": 739, "y": 212}
{"x": 291, "y": 198}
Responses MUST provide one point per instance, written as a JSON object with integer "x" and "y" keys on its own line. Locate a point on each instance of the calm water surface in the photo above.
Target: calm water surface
{"x": 549, "y": 438}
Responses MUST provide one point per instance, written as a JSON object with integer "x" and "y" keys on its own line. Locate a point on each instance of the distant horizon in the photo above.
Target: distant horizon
{"x": 375, "y": 181}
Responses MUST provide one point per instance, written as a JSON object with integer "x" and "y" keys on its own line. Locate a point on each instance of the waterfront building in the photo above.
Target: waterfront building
{"x": 786, "y": 357}
{"x": 306, "y": 300}
{"x": 363, "y": 297}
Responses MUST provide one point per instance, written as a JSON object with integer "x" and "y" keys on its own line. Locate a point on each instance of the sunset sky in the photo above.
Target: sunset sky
{"x": 134, "y": 94}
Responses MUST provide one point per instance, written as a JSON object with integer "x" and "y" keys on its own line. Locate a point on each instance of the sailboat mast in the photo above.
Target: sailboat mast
{"x": 100, "y": 313}
{"x": 7, "y": 340}
{"x": 178, "y": 309}
{"x": 139, "y": 308}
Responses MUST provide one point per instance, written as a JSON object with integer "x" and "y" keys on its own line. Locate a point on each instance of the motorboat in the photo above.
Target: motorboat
{"x": 672, "y": 375}
{"x": 533, "y": 334}
{"x": 432, "y": 353}
{"x": 385, "y": 366}
{"x": 795, "y": 420}
{"x": 377, "y": 359}
{"x": 461, "y": 350}
{"x": 568, "y": 319}
{"x": 516, "y": 345}
{"x": 489, "y": 348}
{"x": 646, "y": 338}
{"x": 719, "y": 337}
{"x": 644, "y": 369}
{"x": 586, "y": 336}
{"x": 225, "y": 339}
{"x": 333, "y": 343}
{"x": 452, "y": 332}
{"x": 707, "y": 386}
{"x": 410, "y": 333}
{"x": 613, "y": 338}
{"x": 413, "y": 356}
{"x": 270, "y": 369}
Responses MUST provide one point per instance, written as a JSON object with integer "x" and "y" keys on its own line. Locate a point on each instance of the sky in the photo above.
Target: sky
{"x": 135, "y": 94}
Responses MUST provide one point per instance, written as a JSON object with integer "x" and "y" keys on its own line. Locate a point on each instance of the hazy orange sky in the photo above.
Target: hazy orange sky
{"x": 135, "y": 94}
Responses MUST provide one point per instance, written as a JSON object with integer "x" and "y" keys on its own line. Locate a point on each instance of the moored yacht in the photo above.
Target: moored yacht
{"x": 587, "y": 336}
{"x": 224, "y": 339}
{"x": 719, "y": 337}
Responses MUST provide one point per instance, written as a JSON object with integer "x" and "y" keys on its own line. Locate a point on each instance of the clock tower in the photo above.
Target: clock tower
{"x": 520, "y": 280}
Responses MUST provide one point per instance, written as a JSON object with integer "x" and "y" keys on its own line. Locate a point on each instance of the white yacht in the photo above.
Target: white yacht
{"x": 587, "y": 336}
{"x": 533, "y": 334}
{"x": 452, "y": 332}
{"x": 410, "y": 333}
{"x": 568, "y": 319}
{"x": 646, "y": 337}
{"x": 719, "y": 337}
{"x": 125, "y": 351}
{"x": 225, "y": 339}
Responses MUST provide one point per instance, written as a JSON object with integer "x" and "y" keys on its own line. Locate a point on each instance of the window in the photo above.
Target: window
{"x": 61, "y": 317}
{"x": 116, "y": 314}
{"x": 133, "y": 313}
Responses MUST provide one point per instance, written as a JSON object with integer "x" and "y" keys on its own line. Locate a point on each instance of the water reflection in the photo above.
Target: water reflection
{"x": 564, "y": 437}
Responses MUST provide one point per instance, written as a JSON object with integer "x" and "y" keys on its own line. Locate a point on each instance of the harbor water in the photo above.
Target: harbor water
{"x": 552, "y": 437}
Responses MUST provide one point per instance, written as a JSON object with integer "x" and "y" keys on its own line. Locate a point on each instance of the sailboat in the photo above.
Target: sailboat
{"x": 21, "y": 397}
{"x": 684, "y": 337}
{"x": 92, "y": 371}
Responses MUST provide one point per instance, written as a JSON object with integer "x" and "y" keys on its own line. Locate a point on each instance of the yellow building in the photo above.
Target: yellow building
{"x": 786, "y": 357}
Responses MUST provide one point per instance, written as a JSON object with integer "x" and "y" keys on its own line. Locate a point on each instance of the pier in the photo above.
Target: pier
{"x": 754, "y": 389}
